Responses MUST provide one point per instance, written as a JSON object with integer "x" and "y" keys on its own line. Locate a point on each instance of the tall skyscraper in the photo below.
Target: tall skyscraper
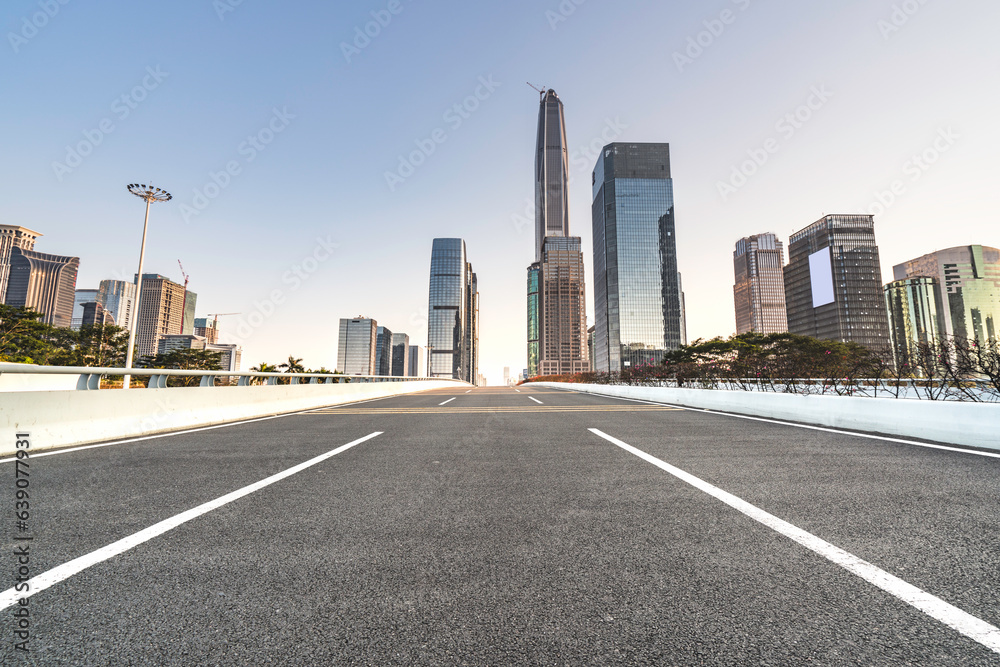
{"x": 551, "y": 172}
{"x": 638, "y": 309}
{"x": 400, "y": 355}
{"x": 452, "y": 322}
{"x": 160, "y": 312}
{"x": 968, "y": 289}
{"x": 556, "y": 332}
{"x": 914, "y": 317}
{"x": 833, "y": 282}
{"x": 356, "y": 348}
{"x": 383, "y": 351}
{"x": 80, "y": 297}
{"x": 44, "y": 283}
{"x": 759, "y": 292}
{"x": 118, "y": 298}
{"x": 12, "y": 236}
{"x": 417, "y": 365}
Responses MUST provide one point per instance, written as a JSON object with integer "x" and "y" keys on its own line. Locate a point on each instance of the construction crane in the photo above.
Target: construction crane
{"x": 184, "y": 302}
{"x": 540, "y": 91}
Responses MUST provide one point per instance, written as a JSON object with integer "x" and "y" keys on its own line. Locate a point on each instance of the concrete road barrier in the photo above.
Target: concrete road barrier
{"x": 953, "y": 422}
{"x": 63, "y": 418}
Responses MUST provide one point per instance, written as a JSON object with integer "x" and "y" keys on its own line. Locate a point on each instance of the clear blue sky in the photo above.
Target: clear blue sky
{"x": 891, "y": 87}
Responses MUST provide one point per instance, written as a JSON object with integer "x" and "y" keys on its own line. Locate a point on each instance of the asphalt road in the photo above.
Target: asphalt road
{"x": 499, "y": 529}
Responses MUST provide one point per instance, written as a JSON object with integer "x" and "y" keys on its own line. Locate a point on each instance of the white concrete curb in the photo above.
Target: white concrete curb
{"x": 952, "y": 422}
{"x": 64, "y": 418}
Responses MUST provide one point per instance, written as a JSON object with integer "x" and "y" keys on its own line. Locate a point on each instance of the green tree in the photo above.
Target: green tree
{"x": 23, "y": 338}
{"x": 293, "y": 365}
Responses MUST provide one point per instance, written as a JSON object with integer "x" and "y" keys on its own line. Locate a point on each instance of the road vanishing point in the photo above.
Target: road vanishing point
{"x": 503, "y": 527}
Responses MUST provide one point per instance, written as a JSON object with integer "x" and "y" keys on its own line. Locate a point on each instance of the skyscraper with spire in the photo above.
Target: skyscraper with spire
{"x": 557, "y": 317}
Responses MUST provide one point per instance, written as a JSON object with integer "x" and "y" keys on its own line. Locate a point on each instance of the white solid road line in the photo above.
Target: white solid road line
{"x": 972, "y": 627}
{"x": 536, "y": 400}
{"x": 62, "y": 572}
{"x": 856, "y": 434}
{"x": 448, "y": 401}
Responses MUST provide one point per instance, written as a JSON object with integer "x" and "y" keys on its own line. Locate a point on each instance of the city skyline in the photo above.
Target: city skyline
{"x": 786, "y": 154}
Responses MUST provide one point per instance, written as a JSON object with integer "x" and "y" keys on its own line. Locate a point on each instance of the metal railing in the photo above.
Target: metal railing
{"x": 972, "y": 390}
{"x": 90, "y": 378}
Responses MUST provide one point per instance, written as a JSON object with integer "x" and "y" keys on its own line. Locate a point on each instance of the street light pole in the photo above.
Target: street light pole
{"x": 150, "y": 194}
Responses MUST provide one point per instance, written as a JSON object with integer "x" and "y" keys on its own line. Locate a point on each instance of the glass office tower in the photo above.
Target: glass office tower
{"x": 833, "y": 283}
{"x": 638, "y": 305}
{"x": 383, "y": 351}
{"x": 400, "y": 355}
{"x": 968, "y": 289}
{"x": 452, "y": 325}
{"x": 914, "y": 318}
{"x": 356, "y": 349}
{"x": 118, "y": 298}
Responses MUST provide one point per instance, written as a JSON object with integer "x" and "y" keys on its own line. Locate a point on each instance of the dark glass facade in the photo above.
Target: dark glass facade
{"x": 534, "y": 316}
{"x": 637, "y": 297}
{"x": 383, "y": 351}
{"x": 400, "y": 355}
{"x": 356, "y": 349}
{"x": 844, "y": 246}
{"x": 452, "y": 321}
{"x": 551, "y": 172}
